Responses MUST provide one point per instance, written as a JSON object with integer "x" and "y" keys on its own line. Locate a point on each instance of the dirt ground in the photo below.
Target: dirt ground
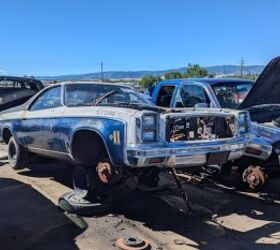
{"x": 220, "y": 218}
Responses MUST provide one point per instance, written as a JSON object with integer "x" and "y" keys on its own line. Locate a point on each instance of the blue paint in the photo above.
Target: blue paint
{"x": 55, "y": 133}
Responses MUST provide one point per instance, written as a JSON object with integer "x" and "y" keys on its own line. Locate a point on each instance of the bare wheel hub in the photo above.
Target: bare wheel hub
{"x": 132, "y": 243}
{"x": 108, "y": 174}
{"x": 254, "y": 176}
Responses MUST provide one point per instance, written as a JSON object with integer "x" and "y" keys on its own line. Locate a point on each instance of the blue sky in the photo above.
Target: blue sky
{"x": 53, "y": 37}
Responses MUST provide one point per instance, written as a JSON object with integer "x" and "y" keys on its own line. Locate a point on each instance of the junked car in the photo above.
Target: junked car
{"x": 17, "y": 90}
{"x": 107, "y": 129}
{"x": 261, "y": 99}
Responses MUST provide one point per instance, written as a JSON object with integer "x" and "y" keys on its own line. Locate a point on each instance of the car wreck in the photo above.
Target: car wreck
{"x": 15, "y": 90}
{"x": 108, "y": 130}
{"x": 260, "y": 99}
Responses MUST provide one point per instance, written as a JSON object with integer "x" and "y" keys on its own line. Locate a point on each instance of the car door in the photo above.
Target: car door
{"x": 40, "y": 119}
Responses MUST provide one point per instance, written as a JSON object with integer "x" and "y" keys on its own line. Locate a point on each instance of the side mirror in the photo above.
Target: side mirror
{"x": 201, "y": 105}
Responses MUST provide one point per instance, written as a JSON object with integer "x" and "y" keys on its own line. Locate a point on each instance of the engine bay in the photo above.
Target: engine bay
{"x": 265, "y": 114}
{"x": 199, "y": 128}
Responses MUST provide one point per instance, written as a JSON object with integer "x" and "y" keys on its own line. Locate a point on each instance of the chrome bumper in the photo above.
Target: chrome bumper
{"x": 183, "y": 154}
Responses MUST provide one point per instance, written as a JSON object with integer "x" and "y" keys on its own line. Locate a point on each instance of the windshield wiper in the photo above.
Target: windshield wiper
{"x": 101, "y": 98}
{"x": 135, "y": 105}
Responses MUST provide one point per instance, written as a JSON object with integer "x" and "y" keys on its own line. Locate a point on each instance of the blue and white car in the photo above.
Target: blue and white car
{"x": 109, "y": 128}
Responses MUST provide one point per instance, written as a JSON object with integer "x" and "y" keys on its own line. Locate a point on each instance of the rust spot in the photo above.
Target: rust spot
{"x": 107, "y": 173}
{"x": 254, "y": 176}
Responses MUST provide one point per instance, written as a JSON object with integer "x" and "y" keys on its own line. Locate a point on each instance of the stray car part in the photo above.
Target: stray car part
{"x": 78, "y": 220}
{"x": 72, "y": 203}
{"x": 254, "y": 176}
{"x": 209, "y": 171}
{"x": 132, "y": 243}
{"x": 182, "y": 191}
{"x": 179, "y": 242}
{"x": 199, "y": 180}
{"x": 108, "y": 174}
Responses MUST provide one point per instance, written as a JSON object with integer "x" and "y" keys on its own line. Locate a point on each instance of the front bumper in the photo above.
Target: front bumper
{"x": 186, "y": 154}
{"x": 259, "y": 148}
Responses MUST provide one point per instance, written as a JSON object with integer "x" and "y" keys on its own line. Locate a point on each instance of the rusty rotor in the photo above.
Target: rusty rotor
{"x": 132, "y": 243}
{"x": 254, "y": 176}
{"x": 108, "y": 174}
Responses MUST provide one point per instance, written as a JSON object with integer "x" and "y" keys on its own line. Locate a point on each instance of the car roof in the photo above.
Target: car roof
{"x": 96, "y": 83}
{"x": 18, "y": 78}
{"x": 206, "y": 81}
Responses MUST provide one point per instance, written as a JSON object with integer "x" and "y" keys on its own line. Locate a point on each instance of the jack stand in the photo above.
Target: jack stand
{"x": 183, "y": 193}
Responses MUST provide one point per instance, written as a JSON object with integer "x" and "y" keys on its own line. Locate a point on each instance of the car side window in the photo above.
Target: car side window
{"x": 50, "y": 98}
{"x": 190, "y": 95}
{"x": 165, "y": 96}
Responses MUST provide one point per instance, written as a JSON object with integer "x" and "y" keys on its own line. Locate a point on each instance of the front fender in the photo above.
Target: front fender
{"x": 112, "y": 133}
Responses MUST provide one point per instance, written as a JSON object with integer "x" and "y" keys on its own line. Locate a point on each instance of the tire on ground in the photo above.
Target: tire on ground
{"x": 17, "y": 155}
{"x": 85, "y": 181}
{"x": 72, "y": 203}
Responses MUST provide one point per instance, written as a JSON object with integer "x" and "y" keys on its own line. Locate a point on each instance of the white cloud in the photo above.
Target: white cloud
{"x": 2, "y": 71}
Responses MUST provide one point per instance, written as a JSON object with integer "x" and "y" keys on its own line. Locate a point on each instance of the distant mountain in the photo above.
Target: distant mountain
{"x": 219, "y": 69}
{"x": 235, "y": 69}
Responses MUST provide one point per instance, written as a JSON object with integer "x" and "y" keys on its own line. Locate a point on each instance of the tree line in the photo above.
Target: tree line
{"x": 193, "y": 70}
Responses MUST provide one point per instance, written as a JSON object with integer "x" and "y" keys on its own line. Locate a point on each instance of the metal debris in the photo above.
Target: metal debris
{"x": 132, "y": 243}
{"x": 254, "y": 176}
{"x": 180, "y": 188}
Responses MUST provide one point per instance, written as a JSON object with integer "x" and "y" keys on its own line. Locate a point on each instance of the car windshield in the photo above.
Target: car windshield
{"x": 87, "y": 94}
{"x": 231, "y": 94}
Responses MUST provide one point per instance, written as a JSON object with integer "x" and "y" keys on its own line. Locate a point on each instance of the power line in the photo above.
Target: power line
{"x": 241, "y": 66}
{"x": 101, "y": 72}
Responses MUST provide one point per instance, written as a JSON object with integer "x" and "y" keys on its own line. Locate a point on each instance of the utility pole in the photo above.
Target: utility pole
{"x": 101, "y": 72}
{"x": 241, "y": 66}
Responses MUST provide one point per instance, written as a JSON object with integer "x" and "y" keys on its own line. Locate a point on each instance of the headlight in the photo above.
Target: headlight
{"x": 149, "y": 128}
{"x": 149, "y": 136}
{"x": 243, "y": 123}
{"x": 149, "y": 122}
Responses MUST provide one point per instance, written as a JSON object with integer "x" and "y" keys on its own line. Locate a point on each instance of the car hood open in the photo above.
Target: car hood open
{"x": 266, "y": 90}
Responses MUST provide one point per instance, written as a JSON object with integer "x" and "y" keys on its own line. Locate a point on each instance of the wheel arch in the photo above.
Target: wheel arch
{"x": 6, "y": 134}
{"x": 91, "y": 131}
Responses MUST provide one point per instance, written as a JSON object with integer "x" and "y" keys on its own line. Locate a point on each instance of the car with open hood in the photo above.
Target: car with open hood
{"x": 109, "y": 128}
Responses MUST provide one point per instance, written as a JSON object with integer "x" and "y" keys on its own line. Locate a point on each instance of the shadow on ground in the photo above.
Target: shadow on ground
{"x": 227, "y": 220}
{"x": 29, "y": 221}
{"x": 47, "y": 168}
{"x": 254, "y": 224}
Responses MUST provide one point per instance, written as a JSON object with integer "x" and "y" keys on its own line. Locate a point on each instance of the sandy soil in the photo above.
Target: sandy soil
{"x": 220, "y": 219}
